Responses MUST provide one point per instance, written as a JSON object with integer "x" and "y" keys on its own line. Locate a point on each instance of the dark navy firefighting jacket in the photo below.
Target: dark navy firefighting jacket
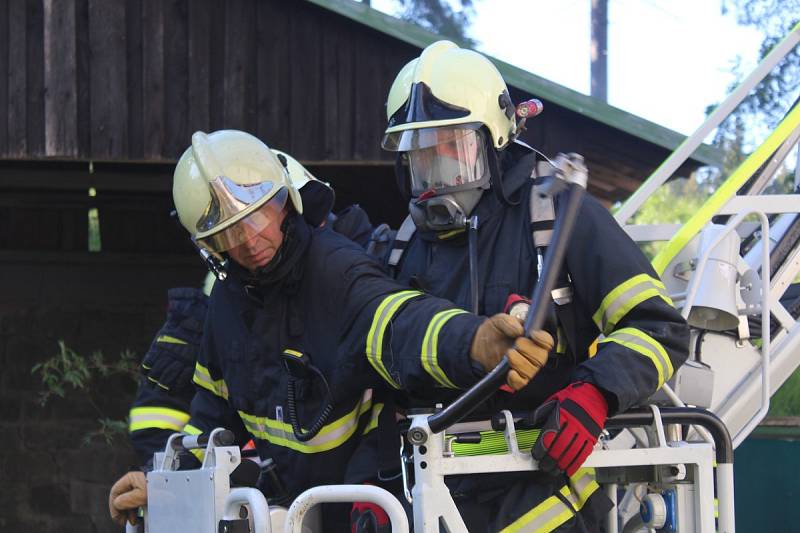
{"x": 165, "y": 391}
{"x": 616, "y": 298}
{"x": 362, "y": 330}
{"x": 161, "y": 406}
{"x": 617, "y": 295}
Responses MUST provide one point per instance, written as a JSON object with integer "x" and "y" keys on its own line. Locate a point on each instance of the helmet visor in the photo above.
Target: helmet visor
{"x": 414, "y": 139}
{"x": 456, "y": 163}
{"x": 248, "y": 227}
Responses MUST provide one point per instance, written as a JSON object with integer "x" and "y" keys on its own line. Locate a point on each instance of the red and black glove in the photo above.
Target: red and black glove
{"x": 571, "y": 421}
{"x": 366, "y": 517}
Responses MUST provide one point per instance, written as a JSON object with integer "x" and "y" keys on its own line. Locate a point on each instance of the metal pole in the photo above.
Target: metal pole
{"x": 727, "y": 517}
{"x": 345, "y": 494}
{"x": 612, "y": 522}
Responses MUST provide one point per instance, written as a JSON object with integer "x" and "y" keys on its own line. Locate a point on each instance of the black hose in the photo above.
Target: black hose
{"x": 681, "y": 415}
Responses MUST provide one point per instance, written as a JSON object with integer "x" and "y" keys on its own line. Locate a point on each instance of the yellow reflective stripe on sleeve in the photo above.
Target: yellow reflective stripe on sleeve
{"x": 552, "y": 512}
{"x": 192, "y": 430}
{"x": 203, "y": 378}
{"x": 157, "y": 418}
{"x": 169, "y": 339}
{"x": 430, "y": 345}
{"x": 644, "y": 344}
{"x": 625, "y": 297}
{"x": 380, "y": 322}
{"x": 373, "y": 420}
{"x": 330, "y": 436}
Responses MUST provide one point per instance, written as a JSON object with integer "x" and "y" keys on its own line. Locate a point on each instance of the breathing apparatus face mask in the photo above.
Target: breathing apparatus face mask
{"x": 449, "y": 171}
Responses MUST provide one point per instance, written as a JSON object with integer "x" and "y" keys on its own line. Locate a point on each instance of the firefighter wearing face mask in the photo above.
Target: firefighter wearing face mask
{"x": 452, "y": 124}
{"x": 305, "y": 330}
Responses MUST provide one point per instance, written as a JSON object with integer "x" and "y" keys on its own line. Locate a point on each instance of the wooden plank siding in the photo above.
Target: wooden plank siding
{"x": 60, "y": 102}
{"x": 131, "y": 80}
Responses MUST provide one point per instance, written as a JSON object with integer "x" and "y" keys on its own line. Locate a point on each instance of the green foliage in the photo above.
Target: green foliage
{"x": 768, "y": 103}
{"x": 440, "y": 17}
{"x": 67, "y": 371}
{"x": 786, "y": 401}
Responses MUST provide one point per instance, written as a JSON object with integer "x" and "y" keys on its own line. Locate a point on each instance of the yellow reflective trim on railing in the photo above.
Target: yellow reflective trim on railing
{"x": 430, "y": 347}
{"x": 727, "y": 190}
{"x": 380, "y": 322}
{"x": 169, "y": 339}
{"x": 157, "y": 418}
{"x": 203, "y": 378}
{"x": 330, "y": 436}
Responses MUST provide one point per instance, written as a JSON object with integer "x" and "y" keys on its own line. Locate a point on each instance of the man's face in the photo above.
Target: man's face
{"x": 260, "y": 248}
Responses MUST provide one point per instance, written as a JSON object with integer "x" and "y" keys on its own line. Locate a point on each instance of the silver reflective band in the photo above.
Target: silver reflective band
{"x": 229, "y": 199}
{"x": 249, "y": 226}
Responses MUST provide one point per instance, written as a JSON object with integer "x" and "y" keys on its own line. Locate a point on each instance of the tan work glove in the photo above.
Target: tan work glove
{"x": 501, "y": 334}
{"x": 126, "y": 496}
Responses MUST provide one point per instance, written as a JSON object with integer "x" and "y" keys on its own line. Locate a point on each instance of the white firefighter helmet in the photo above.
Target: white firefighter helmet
{"x": 447, "y": 86}
{"x": 439, "y": 109}
{"x": 227, "y": 186}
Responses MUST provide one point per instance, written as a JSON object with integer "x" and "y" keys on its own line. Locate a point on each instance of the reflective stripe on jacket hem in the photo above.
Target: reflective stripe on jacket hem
{"x": 330, "y": 436}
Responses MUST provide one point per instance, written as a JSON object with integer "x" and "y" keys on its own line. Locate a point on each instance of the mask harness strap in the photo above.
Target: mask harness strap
{"x": 497, "y": 174}
{"x": 401, "y": 240}
{"x": 472, "y": 243}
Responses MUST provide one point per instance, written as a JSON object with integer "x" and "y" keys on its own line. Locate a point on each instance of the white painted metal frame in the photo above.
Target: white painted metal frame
{"x": 433, "y": 503}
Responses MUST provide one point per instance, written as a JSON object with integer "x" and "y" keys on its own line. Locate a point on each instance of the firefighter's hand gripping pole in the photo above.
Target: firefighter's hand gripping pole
{"x": 571, "y": 175}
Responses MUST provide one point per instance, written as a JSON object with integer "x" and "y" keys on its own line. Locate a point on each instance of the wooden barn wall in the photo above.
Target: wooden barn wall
{"x": 130, "y": 80}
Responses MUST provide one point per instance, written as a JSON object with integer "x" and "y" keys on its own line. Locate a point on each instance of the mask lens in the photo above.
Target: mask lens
{"x": 456, "y": 163}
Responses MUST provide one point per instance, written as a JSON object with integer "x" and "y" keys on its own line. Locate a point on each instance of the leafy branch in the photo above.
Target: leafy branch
{"x": 68, "y": 371}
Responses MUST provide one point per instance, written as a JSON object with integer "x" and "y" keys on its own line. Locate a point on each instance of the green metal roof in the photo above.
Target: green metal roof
{"x": 521, "y": 79}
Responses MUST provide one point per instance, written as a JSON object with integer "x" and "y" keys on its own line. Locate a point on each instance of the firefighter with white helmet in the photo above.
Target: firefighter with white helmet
{"x": 306, "y": 329}
{"x": 454, "y": 128}
{"x": 165, "y": 391}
